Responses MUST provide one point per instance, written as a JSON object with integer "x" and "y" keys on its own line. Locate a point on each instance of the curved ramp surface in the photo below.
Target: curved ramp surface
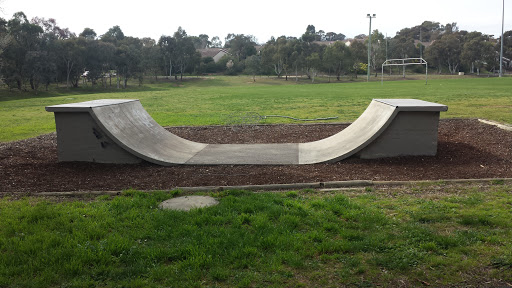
{"x": 127, "y": 123}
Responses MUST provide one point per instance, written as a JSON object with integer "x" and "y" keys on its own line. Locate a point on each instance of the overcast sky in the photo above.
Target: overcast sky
{"x": 263, "y": 18}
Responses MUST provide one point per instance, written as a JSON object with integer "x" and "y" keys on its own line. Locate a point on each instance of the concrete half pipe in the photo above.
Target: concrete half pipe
{"x": 121, "y": 131}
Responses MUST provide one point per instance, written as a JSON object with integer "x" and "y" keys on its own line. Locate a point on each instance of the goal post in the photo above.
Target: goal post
{"x": 405, "y": 62}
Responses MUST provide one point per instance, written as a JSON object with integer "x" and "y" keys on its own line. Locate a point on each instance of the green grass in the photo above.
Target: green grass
{"x": 451, "y": 235}
{"x": 212, "y": 100}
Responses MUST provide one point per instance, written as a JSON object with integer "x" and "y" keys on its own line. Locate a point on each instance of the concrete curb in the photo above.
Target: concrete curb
{"x": 499, "y": 125}
{"x": 294, "y": 186}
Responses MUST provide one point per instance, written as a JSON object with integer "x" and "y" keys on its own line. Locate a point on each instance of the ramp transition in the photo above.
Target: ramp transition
{"x": 121, "y": 131}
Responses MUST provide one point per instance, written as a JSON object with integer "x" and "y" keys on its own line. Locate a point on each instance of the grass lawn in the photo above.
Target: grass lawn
{"x": 218, "y": 100}
{"x": 424, "y": 235}
{"x": 436, "y": 235}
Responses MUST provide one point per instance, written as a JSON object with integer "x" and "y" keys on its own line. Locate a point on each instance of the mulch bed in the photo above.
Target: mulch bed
{"x": 466, "y": 149}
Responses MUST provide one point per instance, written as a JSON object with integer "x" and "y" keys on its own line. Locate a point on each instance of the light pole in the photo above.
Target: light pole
{"x": 501, "y": 51}
{"x": 370, "y": 44}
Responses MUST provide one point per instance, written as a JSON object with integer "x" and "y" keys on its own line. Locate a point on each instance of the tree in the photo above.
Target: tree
{"x": 72, "y": 56}
{"x": 310, "y": 34}
{"x": 113, "y": 35}
{"x": 98, "y": 59}
{"x": 359, "y": 53}
{"x": 378, "y": 50}
{"x": 320, "y": 35}
{"x": 88, "y": 33}
{"x": 337, "y": 57}
{"x": 475, "y": 51}
{"x": 207, "y": 65}
{"x": 450, "y": 28}
{"x": 434, "y": 55}
{"x": 201, "y": 41}
{"x": 452, "y": 51}
{"x": 51, "y": 29}
{"x": 152, "y": 60}
{"x": 240, "y": 45}
{"x": 179, "y": 52}
{"x": 5, "y": 38}
{"x": 332, "y": 36}
{"x": 311, "y": 29}
{"x": 25, "y": 39}
{"x": 446, "y": 50}
{"x": 402, "y": 47}
{"x": 276, "y": 53}
{"x": 215, "y": 42}
{"x": 40, "y": 68}
{"x": 253, "y": 66}
{"x": 185, "y": 53}
{"x": 314, "y": 64}
{"x": 426, "y": 32}
{"x": 297, "y": 57}
{"x": 270, "y": 57}
{"x": 127, "y": 59}
{"x": 507, "y": 44}
{"x": 167, "y": 46}
{"x": 42, "y": 61}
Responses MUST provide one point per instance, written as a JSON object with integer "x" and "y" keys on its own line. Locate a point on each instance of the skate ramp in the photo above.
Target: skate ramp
{"x": 129, "y": 133}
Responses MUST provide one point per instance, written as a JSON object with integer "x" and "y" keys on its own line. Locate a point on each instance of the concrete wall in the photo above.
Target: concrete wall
{"x": 81, "y": 139}
{"x": 410, "y": 134}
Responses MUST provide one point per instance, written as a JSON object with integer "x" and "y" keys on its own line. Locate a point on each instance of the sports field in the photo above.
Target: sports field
{"x": 424, "y": 234}
{"x": 217, "y": 100}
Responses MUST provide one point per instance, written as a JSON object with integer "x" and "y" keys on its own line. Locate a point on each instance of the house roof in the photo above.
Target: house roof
{"x": 327, "y": 43}
{"x": 211, "y": 52}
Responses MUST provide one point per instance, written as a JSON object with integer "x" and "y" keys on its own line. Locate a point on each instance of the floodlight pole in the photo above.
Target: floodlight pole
{"x": 501, "y": 51}
{"x": 421, "y": 44}
{"x": 369, "y": 44}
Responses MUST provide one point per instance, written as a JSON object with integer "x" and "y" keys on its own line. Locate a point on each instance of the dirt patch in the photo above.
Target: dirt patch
{"x": 466, "y": 149}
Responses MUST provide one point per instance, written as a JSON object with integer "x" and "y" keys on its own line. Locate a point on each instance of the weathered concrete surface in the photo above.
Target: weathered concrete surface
{"x": 81, "y": 139}
{"x": 266, "y": 154}
{"x": 130, "y": 130}
{"x": 186, "y": 203}
{"x": 412, "y": 132}
{"x": 409, "y": 134}
{"x": 126, "y": 124}
{"x": 134, "y": 129}
{"x": 350, "y": 140}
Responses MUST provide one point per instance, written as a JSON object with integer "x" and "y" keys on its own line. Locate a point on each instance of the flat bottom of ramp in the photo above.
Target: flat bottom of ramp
{"x": 186, "y": 203}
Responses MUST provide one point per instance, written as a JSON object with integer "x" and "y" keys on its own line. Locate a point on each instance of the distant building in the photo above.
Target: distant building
{"x": 507, "y": 63}
{"x": 215, "y": 53}
{"x": 348, "y": 42}
{"x": 326, "y": 43}
{"x": 425, "y": 44}
{"x": 258, "y": 49}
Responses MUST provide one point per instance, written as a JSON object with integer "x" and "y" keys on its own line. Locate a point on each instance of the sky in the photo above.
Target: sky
{"x": 264, "y": 18}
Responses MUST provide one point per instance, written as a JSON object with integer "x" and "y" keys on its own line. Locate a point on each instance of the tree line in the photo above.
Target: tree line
{"x": 444, "y": 47}
{"x": 37, "y": 53}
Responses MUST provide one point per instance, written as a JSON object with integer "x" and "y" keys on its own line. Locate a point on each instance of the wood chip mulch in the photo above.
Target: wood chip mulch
{"x": 467, "y": 149}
